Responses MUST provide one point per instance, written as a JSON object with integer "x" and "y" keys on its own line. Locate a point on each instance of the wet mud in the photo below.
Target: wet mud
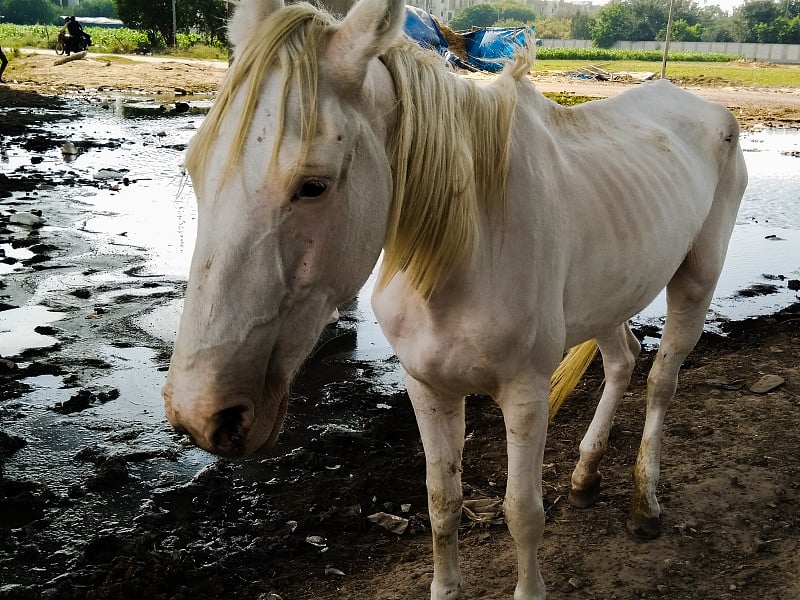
{"x": 100, "y": 500}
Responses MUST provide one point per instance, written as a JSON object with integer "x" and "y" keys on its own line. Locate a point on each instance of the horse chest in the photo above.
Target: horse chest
{"x": 458, "y": 353}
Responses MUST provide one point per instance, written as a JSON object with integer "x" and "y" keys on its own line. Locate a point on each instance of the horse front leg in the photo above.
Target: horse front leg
{"x": 440, "y": 419}
{"x": 525, "y": 413}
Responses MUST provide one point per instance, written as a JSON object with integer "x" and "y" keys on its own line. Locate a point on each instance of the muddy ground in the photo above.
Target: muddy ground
{"x": 125, "y": 522}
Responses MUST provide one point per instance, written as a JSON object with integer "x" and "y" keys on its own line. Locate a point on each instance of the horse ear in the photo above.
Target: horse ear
{"x": 368, "y": 30}
{"x": 246, "y": 17}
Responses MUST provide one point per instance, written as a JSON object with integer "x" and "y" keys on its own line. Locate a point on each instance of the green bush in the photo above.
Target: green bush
{"x": 28, "y": 36}
{"x": 113, "y": 41}
{"x": 615, "y": 54}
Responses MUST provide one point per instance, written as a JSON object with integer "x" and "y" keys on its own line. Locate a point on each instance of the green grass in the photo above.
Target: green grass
{"x": 104, "y": 40}
{"x": 617, "y": 54}
{"x": 734, "y": 73}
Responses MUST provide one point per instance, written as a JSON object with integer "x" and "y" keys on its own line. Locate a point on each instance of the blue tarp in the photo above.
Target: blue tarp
{"x": 421, "y": 28}
{"x": 485, "y": 47}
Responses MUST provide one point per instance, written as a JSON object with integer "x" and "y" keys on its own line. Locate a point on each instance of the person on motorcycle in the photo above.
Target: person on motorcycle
{"x": 78, "y": 39}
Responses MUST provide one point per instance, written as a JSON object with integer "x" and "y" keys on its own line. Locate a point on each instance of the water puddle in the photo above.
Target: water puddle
{"x": 18, "y": 325}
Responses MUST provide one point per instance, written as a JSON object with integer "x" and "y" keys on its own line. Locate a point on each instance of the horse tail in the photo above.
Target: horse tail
{"x": 569, "y": 373}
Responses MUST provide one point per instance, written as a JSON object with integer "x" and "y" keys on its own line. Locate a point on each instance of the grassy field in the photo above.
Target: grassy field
{"x": 735, "y": 73}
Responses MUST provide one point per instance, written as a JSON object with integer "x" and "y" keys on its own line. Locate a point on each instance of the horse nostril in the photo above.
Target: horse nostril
{"x": 229, "y": 436}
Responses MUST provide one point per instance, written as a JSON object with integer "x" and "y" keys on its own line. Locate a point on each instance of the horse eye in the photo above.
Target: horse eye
{"x": 311, "y": 188}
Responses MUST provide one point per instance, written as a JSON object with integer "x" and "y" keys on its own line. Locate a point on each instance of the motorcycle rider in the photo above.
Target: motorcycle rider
{"x": 78, "y": 40}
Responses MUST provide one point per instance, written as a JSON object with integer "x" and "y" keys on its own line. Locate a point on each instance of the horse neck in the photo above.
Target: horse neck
{"x": 449, "y": 148}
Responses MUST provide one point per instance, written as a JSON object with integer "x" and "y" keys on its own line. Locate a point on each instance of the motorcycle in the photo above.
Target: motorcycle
{"x": 66, "y": 43}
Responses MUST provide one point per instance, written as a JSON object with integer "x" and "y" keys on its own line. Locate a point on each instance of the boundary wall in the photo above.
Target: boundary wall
{"x": 776, "y": 53}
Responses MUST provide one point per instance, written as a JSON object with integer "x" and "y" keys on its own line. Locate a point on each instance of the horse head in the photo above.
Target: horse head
{"x": 293, "y": 188}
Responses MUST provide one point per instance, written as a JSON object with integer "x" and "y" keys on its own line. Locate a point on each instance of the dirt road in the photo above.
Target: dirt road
{"x": 37, "y": 73}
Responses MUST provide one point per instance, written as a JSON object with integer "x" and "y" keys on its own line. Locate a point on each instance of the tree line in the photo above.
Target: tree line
{"x": 763, "y": 21}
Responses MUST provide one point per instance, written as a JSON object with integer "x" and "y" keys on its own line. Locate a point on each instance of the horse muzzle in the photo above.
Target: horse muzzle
{"x": 236, "y": 427}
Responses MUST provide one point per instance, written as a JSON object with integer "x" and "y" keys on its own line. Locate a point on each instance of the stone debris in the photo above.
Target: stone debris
{"x": 767, "y": 383}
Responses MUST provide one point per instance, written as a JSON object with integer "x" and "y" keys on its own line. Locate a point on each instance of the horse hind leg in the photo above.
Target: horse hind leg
{"x": 619, "y": 350}
{"x": 689, "y": 295}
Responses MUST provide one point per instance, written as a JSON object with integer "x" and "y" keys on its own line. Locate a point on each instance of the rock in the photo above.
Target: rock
{"x": 389, "y": 522}
{"x": 27, "y": 219}
{"x": 10, "y": 444}
{"x": 18, "y": 592}
{"x": 104, "y": 548}
{"x": 79, "y": 401}
{"x": 766, "y": 384}
{"x": 69, "y": 148}
{"x": 110, "y": 473}
{"x": 104, "y": 174}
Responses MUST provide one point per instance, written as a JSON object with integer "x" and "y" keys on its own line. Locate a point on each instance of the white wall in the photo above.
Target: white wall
{"x": 776, "y": 53}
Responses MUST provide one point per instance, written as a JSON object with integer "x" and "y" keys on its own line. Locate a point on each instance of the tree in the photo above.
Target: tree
{"x": 210, "y": 18}
{"x": 647, "y": 19}
{"x": 95, "y": 8}
{"x": 614, "y": 22}
{"x": 751, "y": 21}
{"x": 581, "y": 26}
{"x": 638, "y": 20}
{"x": 717, "y": 25}
{"x": 515, "y": 11}
{"x": 155, "y": 17}
{"x": 30, "y": 12}
{"x": 486, "y": 15}
{"x": 478, "y": 15}
{"x": 683, "y": 32}
{"x": 553, "y": 28}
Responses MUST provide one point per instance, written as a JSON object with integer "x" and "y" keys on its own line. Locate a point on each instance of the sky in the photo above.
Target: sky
{"x": 726, "y": 5}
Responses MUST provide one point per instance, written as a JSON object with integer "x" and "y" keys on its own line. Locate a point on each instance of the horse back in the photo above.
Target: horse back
{"x": 623, "y": 189}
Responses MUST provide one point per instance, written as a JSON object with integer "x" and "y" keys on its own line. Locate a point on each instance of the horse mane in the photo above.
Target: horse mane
{"x": 449, "y": 149}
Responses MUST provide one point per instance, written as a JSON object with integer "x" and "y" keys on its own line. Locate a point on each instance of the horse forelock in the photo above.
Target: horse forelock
{"x": 286, "y": 41}
{"x": 450, "y": 154}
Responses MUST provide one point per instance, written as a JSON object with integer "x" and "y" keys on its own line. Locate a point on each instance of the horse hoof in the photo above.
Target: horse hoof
{"x": 587, "y": 493}
{"x": 645, "y": 528}
{"x": 584, "y": 498}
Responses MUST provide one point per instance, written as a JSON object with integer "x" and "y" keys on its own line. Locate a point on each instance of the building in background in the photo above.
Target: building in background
{"x": 444, "y": 10}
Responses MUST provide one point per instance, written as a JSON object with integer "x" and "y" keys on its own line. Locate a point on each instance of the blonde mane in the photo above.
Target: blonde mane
{"x": 449, "y": 148}
{"x": 450, "y": 152}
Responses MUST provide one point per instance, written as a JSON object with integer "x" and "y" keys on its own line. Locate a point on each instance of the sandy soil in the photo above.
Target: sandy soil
{"x": 294, "y": 526}
{"x": 37, "y": 73}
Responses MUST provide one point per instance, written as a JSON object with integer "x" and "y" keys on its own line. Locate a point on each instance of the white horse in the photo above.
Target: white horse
{"x": 512, "y": 229}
